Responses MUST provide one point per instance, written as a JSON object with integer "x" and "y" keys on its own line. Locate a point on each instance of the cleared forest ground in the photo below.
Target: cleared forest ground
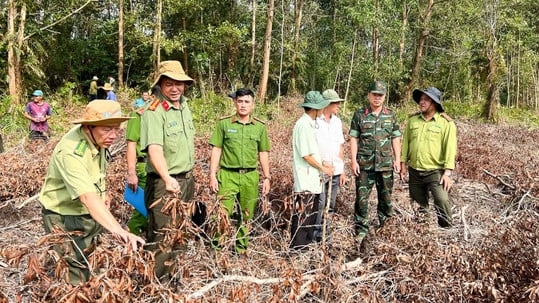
{"x": 490, "y": 255}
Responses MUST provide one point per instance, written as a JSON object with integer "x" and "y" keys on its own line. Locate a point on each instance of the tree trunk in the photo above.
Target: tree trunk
{"x": 121, "y": 44}
{"x": 416, "y": 65}
{"x": 156, "y": 45}
{"x": 376, "y": 45}
{"x": 350, "y": 71}
{"x": 402, "y": 42}
{"x": 15, "y": 39}
{"x": 253, "y": 47}
{"x": 267, "y": 51}
{"x": 298, "y": 12}
{"x": 493, "y": 93}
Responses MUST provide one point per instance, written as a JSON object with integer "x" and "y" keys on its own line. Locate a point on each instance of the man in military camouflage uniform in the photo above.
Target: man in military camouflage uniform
{"x": 429, "y": 149}
{"x": 239, "y": 141}
{"x": 375, "y": 153}
{"x": 74, "y": 196}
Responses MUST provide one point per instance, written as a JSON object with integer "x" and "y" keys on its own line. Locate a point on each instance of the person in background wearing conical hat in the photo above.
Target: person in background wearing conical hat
{"x": 74, "y": 194}
{"x": 308, "y": 169}
{"x": 375, "y": 141}
{"x": 330, "y": 139}
{"x": 429, "y": 149}
{"x": 109, "y": 90}
{"x": 167, "y": 134}
{"x": 38, "y": 112}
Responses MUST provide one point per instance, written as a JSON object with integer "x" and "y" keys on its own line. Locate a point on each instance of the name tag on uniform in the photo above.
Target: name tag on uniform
{"x": 231, "y": 130}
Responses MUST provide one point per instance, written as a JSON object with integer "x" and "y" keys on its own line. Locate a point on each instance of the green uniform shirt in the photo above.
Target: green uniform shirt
{"x": 429, "y": 145}
{"x": 132, "y": 132}
{"x": 375, "y": 134}
{"x": 240, "y": 143}
{"x": 76, "y": 167}
{"x": 173, "y": 129}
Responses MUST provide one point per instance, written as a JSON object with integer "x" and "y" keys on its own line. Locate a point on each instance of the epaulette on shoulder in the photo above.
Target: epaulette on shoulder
{"x": 225, "y": 117}
{"x": 153, "y": 105}
{"x": 415, "y": 114}
{"x": 446, "y": 116}
{"x": 259, "y": 120}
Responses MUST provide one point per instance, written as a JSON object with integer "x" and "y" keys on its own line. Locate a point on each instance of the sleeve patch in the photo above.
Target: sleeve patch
{"x": 81, "y": 148}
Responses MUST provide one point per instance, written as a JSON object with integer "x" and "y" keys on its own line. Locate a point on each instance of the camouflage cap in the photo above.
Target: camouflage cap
{"x": 314, "y": 99}
{"x": 378, "y": 87}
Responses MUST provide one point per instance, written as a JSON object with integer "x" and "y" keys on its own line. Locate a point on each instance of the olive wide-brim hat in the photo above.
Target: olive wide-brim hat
{"x": 174, "y": 70}
{"x": 433, "y": 93}
{"x": 102, "y": 112}
{"x": 315, "y": 100}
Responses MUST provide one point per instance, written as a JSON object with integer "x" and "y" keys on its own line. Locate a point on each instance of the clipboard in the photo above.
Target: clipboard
{"x": 136, "y": 199}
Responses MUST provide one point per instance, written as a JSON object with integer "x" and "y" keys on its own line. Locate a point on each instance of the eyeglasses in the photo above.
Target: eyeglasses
{"x": 110, "y": 130}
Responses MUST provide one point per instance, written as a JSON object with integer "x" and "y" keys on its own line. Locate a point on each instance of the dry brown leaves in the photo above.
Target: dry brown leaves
{"x": 490, "y": 254}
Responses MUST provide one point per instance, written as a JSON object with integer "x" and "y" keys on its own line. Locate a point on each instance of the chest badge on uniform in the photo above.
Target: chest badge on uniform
{"x": 231, "y": 130}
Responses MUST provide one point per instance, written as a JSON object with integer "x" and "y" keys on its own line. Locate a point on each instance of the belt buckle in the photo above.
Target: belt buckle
{"x": 242, "y": 171}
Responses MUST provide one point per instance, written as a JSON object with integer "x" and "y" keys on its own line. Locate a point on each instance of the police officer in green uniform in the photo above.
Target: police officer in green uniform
{"x": 239, "y": 141}
{"x": 136, "y": 166}
{"x": 74, "y": 195}
{"x": 375, "y": 152}
{"x": 167, "y": 134}
{"x": 429, "y": 149}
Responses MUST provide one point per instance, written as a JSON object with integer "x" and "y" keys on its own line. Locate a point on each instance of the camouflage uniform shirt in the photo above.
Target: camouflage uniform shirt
{"x": 375, "y": 134}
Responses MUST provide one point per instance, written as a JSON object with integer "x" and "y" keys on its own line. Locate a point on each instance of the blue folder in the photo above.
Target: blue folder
{"x": 136, "y": 199}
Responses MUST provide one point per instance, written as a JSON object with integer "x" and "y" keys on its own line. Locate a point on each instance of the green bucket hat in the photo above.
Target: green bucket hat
{"x": 332, "y": 96}
{"x": 174, "y": 70}
{"x": 315, "y": 100}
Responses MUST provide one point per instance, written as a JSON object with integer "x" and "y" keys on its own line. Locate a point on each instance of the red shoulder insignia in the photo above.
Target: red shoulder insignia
{"x": 153, "y": 105}
{"x": 165, "y": 105}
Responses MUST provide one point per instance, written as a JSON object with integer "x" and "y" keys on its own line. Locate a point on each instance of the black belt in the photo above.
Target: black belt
{"x": 141, "y": 159}
{"x": 240, "y": 170}
{"x": 184, "y": 175}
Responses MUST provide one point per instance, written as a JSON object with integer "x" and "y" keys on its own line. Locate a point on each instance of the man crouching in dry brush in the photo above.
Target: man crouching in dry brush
{"x": 74, "y": 196}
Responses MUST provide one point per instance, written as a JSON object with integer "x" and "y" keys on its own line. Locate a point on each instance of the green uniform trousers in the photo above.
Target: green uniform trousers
{"x": 238, "y": 193}
{"x": 423, "y": 182}
{"x": 74, "y": 250}
{"x": 155, "y": 189}
{"x": 384, "y": 187}
{"x": 138, "y": 224}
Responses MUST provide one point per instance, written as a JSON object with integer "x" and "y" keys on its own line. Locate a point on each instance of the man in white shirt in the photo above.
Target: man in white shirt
{"x": 330, "y": 139}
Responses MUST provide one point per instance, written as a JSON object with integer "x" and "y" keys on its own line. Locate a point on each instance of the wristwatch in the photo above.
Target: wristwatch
{"x": 448, "y": 173}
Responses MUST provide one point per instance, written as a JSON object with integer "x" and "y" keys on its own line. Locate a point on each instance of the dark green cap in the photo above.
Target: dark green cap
{"x": 378, "y": 87}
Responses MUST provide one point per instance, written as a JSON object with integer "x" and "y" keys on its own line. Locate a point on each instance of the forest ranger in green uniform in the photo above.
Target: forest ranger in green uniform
{"x": 167, "y": 134}
{"x": 136, "y": 166}
{"x": 74, "y": 196}
{"x": 429, "y": 149}
{"x": 239, "y": 141}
